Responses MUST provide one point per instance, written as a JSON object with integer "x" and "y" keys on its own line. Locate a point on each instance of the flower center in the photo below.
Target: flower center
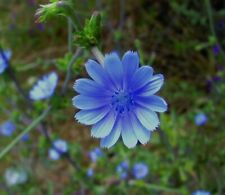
{"x": 122, "y": 101}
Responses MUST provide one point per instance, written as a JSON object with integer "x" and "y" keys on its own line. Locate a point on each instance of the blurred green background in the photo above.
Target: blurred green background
{"x": 183, "y": 40}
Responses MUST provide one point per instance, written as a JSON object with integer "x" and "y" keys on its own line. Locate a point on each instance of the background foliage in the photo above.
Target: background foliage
{"x": 184, "y": 40}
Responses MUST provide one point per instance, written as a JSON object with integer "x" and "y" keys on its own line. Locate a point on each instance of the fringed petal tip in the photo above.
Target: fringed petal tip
{"x": 156, "y": 128}
{"x": 73, "y": 101}
{"x": 78, "y": 121}
{"x": 112, "y": 54}
{"x": 131, "y": 52}
{"x": 75, "y": 85}
{"x": 96, "y": 136}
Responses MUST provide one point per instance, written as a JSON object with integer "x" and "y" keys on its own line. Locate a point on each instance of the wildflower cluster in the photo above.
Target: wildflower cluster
{"x": 58, "y": 148}
{"x": 139, "y": 171}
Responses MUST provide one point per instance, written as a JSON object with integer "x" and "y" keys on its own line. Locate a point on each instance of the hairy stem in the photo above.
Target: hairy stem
{"x": 70, "y": 36}
{"x": 98, "y": 54}
{"x": 69, "y": 70}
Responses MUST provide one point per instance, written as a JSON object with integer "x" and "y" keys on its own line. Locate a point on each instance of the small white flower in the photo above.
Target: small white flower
{"x": 15, "y": 176}
{"x": 45, "y": 87}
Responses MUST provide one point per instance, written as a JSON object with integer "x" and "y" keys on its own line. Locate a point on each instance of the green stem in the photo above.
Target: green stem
{"x": 166, "y": 143}
{"x": 73, "y": 24}
{"x": 70, "y": 35}
{"x": 27, "y": 130}
{"x": 69, "y": 70}
{"x": 210, "y": 16}
{"x": 211, "y": 24}
{"x": 159, "y": 188}
{"x": 72, "y": 15}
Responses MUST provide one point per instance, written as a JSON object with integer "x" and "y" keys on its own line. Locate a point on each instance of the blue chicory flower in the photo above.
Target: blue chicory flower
{"x": 200, "y": 119}
{"x": 216, "y": 49}
{"x": 90, "y": 172}
{"x": 7, "y": 128}
{"x": 140, "y": 170}
{"x": 4, "y": 61}
{"x": 119, "y": 100}
{"x": 122, "y": 169}
{"x": 95, "y": 154}
{"x": 45, "y": 87}
{"x": 58, "y": 148}
{"x": 201, "y": 192}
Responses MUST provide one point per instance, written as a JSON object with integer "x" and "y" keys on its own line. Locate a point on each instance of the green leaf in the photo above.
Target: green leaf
{"x": 63, "y": 62}
{"x": 212, "y": 40}
{"x": 89, "y": 36}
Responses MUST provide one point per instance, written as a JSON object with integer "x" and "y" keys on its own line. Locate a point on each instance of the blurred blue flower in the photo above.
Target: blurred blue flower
{"x": 45, "y": 87}
{"x": 220, "y": 25}
{"x": 216, "y": 78}
{"x": 220, "y": 67}
{"x": 210, "y": 83}
{"x": 200, "y": 119}
{"x": 4, "y": 62}
{"x": 216, "y": 49}
{"x": 58, "y": 148}
{"x": 15, "y": 176}
{"x": 201, "y": 192}
{"x": 95, "y": 154}
{"x": 90, "y": 172}
{"x": 40, "y": 26}
{"x": 60, "y": 145}
{"x": 53, "y": 154}
{"x": 119, "y": 100}
{"x": 25, "y": 137}
{"x": 140, "y": 170}
{"x": 122, "y": 169}
{"x": 124, "y": 165}
{"x": 7, "y": 128}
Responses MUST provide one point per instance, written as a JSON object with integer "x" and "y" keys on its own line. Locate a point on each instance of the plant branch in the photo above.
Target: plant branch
{"x": 27, "y": 130}
{"x": 157, "y": 187}
{"x": 69, "y": 70}
{"x": 210, "y": 17}
{"x": 11, "y": 74}
{"x": 70, "y": 35}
